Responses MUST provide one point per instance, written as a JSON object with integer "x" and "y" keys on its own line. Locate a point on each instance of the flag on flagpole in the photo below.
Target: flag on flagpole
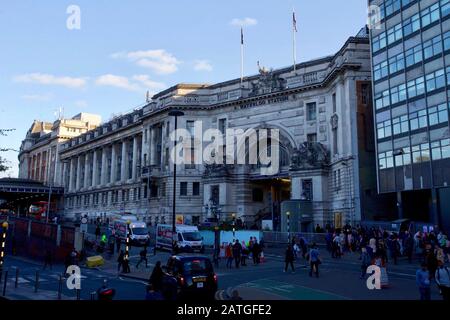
{"x": 242, "y": 36}
{"x": 294, "y": 21}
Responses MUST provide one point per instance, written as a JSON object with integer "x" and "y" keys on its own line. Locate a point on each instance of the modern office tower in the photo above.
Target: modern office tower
{"x": 410, "y": 43}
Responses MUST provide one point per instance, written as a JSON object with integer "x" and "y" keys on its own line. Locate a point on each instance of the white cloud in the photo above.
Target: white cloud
{"x": 148, "y": 83}
{"x": 48, "y": 79}
{"x": 38, "y": 97}
{"x": 116, "y": 81}
{"x": 202, "y": 65}
{"x": 81, "y": 103}
{"x": 160, "y": 61}
{"x": 245, "y": 22}
{"x": 134, "y": 83}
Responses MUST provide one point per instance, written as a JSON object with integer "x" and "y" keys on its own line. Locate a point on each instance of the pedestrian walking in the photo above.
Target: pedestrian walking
{"x": 289, "y": 259}
{"x": 244, "y": 254}
{"x": 423, "y": 282}
{"x": 366, "y": 261}
{"x": 48, "y": 259}
{"x": 237, "y": 251}
{"x": 118, "y": 244}
{"x": 314, "y": 260}
{"x": 156, "y": 278}
{"x": 120, "y": 259}
{"x": 229, "y": 256}
{"x": 442, "y": 278}
{"x": 97, "y": 232}
{"x": 126, "y": 264}
{"x": 143, "y": 257}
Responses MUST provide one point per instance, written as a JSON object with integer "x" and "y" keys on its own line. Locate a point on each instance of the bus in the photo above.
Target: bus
{"x": 38, "y": 210}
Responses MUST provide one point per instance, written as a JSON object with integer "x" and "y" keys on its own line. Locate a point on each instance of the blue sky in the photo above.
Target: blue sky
{"x": 125, "y": 48}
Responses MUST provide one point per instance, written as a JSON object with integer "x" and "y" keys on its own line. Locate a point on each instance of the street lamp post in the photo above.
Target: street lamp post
{"x": 3, "y": 247}
{"x": 127, "y": 245}
{"x": 176, "y": 114}
{"x": 288, "y": 214}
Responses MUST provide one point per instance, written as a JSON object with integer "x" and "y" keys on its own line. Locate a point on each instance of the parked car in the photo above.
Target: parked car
{"x": 193, "y": 277}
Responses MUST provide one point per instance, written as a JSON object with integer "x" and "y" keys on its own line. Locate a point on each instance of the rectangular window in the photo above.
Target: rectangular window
{"x": 196, "y": 188}
{"x": 432, "y": 47}
{"x": 418, "y": 120}
{"x": 446, "y": 37}
{"x": 223, "y": 125}
{"x": 386, "y": 160}
{"x": 190, "y": 127}
{"x": 398, "y": 94}
{"x": 430, "y": 15}
{"x": 391, "y": 6}
{"x": 381, "y": 70}
{"x": 384, "y": 129}
{"x": 183, "y": 188}
{"x": 382, "y": 99}
{"x": 311, "y": 138}
{"x": 411, "y": 25}
{"x": 257, "y": 195}
{"x": 445, "y": 8}
{"x": 416, "y": 87}
{"x": 307, "y": 189}
{"x": 311, "y": 114}
{"x": 438, "y": 114}
{"x": 395, "y": 33}
{"x": 414, "y": 55}
{"x": 435, "y": 80}
{"x": 379, "y": 42}
{"x": 440, "y": 149}
{"x": 163, "y": 189}
{"x": 334, "y": 102}
{"x": 400, "y": 124}
{"x": 397, "y": 63}
{"x": 421, "y": 153}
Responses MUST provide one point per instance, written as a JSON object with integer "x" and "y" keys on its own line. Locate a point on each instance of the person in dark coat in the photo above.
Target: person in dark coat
{"x": 289, "y": 259}
{"x": 237, "y": 251}
{"x": 156, "y": 278}
{"x": 120, "y": 260}
{"x": 97, "y": 232}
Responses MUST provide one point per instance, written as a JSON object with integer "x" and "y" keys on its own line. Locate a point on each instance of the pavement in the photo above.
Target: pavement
{"x": 339, "y": 279}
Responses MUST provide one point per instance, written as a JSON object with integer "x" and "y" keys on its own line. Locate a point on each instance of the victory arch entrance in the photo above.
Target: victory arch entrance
{"x": 276, "y": 190}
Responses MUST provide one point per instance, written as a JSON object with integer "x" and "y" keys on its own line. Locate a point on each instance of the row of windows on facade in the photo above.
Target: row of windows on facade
{"x": 419, "y": 86}
{"x": 390, "y": 7}
{"x": 154, "y": 190}
{"x": 428, "y": 117}
{"x": 411, "y": 25}
{"x": 437, "y": 150}
{"x": 429, "y": 49}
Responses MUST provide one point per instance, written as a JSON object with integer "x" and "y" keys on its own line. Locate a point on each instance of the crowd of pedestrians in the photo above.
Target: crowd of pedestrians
{"x": 236, "y": 253}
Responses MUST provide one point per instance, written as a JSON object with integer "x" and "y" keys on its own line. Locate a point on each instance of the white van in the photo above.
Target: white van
{"x": 138, "y": 230}
{"x": 188, "y": 238}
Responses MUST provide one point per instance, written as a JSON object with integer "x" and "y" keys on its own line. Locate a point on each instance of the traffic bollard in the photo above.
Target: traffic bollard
{"x": 16, "y": 284}
{"x": 60, "y": 285}
{"x": 93, "y": 295}
{"x": 36, "y": 281}
{"x": 4, "y": 284}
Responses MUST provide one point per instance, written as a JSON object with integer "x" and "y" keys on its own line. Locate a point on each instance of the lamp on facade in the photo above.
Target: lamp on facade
{"x": 176, "y": 114}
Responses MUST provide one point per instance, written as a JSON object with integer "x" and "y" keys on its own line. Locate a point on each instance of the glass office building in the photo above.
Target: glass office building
{"x": 410, "y": 42}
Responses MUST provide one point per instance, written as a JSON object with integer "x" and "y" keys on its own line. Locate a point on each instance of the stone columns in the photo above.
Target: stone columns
{"x": 123, "y": 169}
{"x": 95, "y": 168}
{"x": 104, "y": 168}
{"x": 144, "y": 148}
{"x": 135, "y": 154}
{"x": 152, "y": 154}
{"x": 113, "y": 164}
{"x": 78, "y": 182}
{"x": 71, "y": 174}
{"x": 86, "y": 171}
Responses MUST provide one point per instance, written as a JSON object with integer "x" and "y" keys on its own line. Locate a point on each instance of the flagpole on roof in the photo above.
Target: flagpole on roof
{"x": 294, "y": 42}
{"x": 242, "y": 56}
